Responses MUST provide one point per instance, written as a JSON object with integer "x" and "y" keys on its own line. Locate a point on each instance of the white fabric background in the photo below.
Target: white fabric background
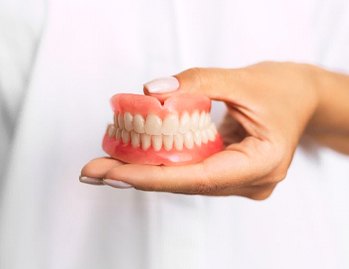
{"x": 90, "y": 50}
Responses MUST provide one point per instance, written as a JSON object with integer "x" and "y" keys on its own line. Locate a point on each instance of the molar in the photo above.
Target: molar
{"x": 118, "y": 134}
{"x": 156, "y": 142}
{"x": 207, "y": 120}
{"x": 138, "y": 124}
{"x": 184, "y": 124}
{"x": 178, "y": 141}
{"x": 210, "y": 134}
{"x": 128, "y": 121}
{"x": 202, "y": 120}
{"x": 135, "y": 139}
{"x": 188, "y": 140}
{"x": 145, "y": 141}
{"x": 195, "y": 120}
{"x": 170, "y": 124}
{"x": 153, "y": 125}
{"x": 121, "y": 121}
{"x": 111, "y": 130}
{"x": 125, "y": 136}
{"x": 116, "y": 121}
{"x": 197, "y": 137}
{"x": 168, "y": 142}
{"x": 204, "y": 137}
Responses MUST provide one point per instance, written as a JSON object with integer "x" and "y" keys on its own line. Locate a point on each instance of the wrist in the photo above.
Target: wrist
{"x": 331, "y": 116}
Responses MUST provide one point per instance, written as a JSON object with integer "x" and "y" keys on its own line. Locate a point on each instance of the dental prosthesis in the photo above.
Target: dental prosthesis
{"x": 174, "y": 132}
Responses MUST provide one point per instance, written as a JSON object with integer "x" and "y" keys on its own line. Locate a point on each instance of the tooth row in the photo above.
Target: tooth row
{"x": 170, "y": 125}
{"x": 168, "y": 142}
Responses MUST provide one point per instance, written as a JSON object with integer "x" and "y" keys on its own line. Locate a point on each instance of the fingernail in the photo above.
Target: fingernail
{"x": 117, "y": 184}
{"x": 162, "y": 85}
{"x": 91, "y": 180}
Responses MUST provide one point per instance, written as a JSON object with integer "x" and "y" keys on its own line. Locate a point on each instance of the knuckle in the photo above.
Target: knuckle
{"x": 196, "y": 74}
{"x": 277, "y": 177}
{"x": 262, "y": 195}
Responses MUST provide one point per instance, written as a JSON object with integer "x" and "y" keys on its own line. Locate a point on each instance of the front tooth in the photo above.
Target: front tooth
{"x": 145, "y": 140}
{"x": 156, "y": 142}
{"x": 138, "y": 123}
{"x": 207, "y": 120}
{"x": 111, "y": 130}
{"x": 184, "y": 124}
{"x": 135, "y": 139}
{"x": 188, "y": 140}
{"x": 153, "y": 125}
{"x": 170, "y": 124}
{"x": 202, "y": 120}
{"x": 168, "y": 142}
{"x": 121, "y": 121}
{"x": 128, "y": 121}
{"x": 211, "y": 136}
{"x": 195, "y": 120}
{"x": 178, "y": 141}
{"x": 118, "y": 134}
{"x": 116, "y": 120}
{"x": 125, "y": 136}
{"x": 204, "y": 137}
{"x": 197, "y": 137}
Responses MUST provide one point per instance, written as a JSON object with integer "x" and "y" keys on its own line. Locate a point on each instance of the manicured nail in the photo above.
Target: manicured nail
{"x": 117, "y": 184}
{"x": 91, "y": 180}
{"x": 162, "y": 85}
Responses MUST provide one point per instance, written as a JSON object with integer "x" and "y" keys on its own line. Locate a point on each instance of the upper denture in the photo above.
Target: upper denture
{"x": 181, "y": 123}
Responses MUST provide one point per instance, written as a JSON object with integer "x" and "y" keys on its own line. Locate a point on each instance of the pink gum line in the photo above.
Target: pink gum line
{"x": 126, "y": 153}
{"x": 144, "y": 105}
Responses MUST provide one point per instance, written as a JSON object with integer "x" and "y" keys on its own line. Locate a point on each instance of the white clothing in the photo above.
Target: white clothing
{"x": 90, "y": 50}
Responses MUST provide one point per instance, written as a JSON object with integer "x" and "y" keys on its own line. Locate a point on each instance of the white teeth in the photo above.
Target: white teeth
{"x": 118, "y": 134}
{"x": 120, "y": 121}
{"x": 128, "y": 121}
{"x": 135, "y": 139}
{"x": 207, "y": 120}
{"x": 116, "y": 121}
{"x": 184, "y": 124}
{"x": 204, "y": 137}
{"x": 153, "y": 125}
{"x": 188, "y": 140}
{"x": 168, "y": 142}
{"x": 197, "y": 137}
{"x": 178, "y": 141}
{"x": 138, "y": 124}
{"x": 195, "y": 120}
{"x": 213, "y": 128}
{"x": 156, "y": 142}
{"x": 210, "y": 134}
{"x": 111, "y": 130}
{"x": 169, "y": 133}
{"x": 202, "y": 120}
{"x": 145, "y": 141}
{"x": 125, "y": 136}
{"x": 170, "y": 124}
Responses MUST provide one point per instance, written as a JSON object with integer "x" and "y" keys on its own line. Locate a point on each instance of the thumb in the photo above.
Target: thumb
{"x": 215, "y": 83}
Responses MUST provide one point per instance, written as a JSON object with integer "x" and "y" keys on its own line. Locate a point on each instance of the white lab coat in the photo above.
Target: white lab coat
{"x": 89, "y": 50}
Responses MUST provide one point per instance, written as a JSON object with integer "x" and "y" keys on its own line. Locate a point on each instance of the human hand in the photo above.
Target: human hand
{"x": 269, "y": 103}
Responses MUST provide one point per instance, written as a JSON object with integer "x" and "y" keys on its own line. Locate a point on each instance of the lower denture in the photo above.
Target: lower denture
{"x": 168, "y": 134}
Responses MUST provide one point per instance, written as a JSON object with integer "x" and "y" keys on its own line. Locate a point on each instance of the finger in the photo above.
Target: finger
{"x": 233, "y": 168}
{"x": 216, "y": 83}
{"x": 94, "y": 171}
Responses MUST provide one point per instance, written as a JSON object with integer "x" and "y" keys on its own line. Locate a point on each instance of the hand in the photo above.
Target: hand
{"x": 269, "y": 105}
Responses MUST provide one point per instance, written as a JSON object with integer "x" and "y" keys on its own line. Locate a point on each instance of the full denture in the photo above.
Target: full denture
{"x": 178, "y": 131}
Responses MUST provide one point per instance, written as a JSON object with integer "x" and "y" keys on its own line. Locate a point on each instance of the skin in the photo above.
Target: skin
{"x": 270, "y": 106}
